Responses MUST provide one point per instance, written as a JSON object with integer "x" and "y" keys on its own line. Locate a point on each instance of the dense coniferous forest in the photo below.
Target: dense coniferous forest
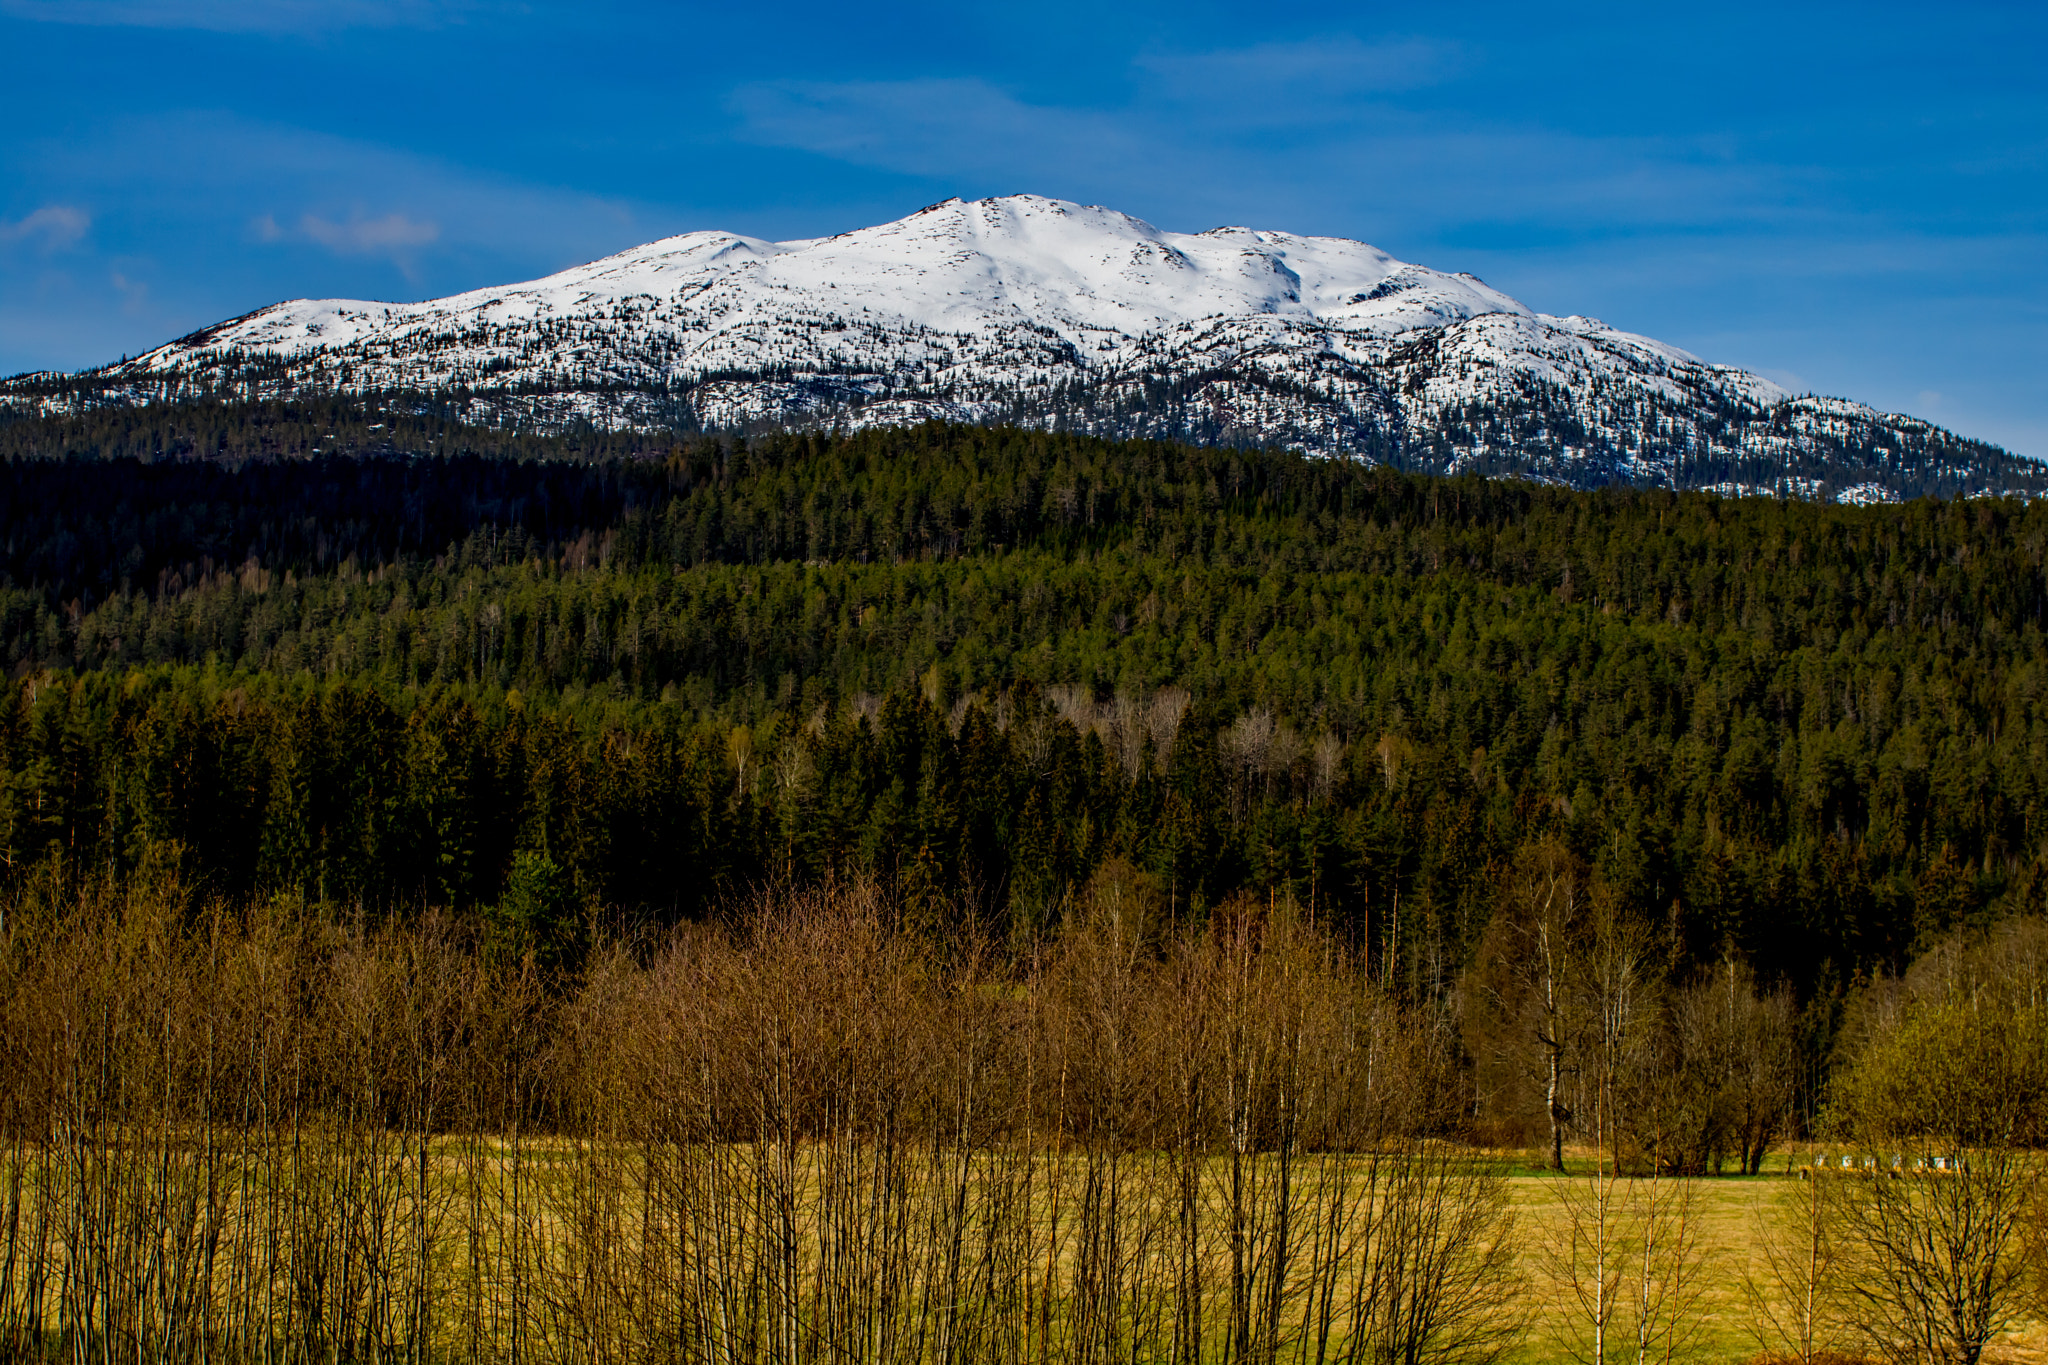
{"x": 361, "y": 654}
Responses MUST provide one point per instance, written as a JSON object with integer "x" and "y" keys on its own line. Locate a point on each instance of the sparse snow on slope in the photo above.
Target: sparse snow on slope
{"x": 1049, "y": 313}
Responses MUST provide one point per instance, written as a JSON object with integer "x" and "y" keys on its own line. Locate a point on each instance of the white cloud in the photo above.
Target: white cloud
{"x": 55, "y": 225}
{"x": 392, "y": 235}
{"x": 396, "y": 237}
{"x": 134, "y": 293}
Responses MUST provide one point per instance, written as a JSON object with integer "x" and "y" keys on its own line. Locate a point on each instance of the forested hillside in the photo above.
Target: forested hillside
{"x": 354, "y": 654}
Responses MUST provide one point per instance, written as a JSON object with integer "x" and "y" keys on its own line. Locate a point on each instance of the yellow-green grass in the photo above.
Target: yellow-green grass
{"x": 1726, "y": 1208}
{"x": 1732, "y": 1213}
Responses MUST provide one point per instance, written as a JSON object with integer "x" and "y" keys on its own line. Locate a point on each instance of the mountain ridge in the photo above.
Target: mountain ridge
{"x": 1046, "y": 313}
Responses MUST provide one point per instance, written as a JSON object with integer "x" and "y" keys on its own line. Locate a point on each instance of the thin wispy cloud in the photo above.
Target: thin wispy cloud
{"x": 283, "y": 211}
{"x": 395, "y": 237}
{"x": 52, "y": 227}
{"x": 931, "y": 127}
{"x": 134, "y": 293}
{"x": 1346, "y": 172}
{"x": 370, "y": 236}
{"x": 1297, "y": 81}
{"x": 345, "y": 196}
{"x": 241, "y": 16}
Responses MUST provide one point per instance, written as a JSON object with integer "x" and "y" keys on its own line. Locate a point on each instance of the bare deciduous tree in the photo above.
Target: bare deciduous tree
{"x": 1793, "y": 1287}
{"x": 1627, "y": 1257}
{"x": 1525, "y": 1012}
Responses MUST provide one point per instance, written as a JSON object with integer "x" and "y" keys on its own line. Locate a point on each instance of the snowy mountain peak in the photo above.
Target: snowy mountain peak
{"x": 972, "y": 266}
{"x": 1041, "y": 311}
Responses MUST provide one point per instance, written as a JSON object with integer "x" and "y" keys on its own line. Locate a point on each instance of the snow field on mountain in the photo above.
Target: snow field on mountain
{"x": 1046, "y": 313}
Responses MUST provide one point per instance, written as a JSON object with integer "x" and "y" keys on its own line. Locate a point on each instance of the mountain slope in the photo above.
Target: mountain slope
{"x": 1047, "y": 313}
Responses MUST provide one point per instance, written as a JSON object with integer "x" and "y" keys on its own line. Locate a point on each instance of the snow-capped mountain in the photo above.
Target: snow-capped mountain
{"x": 1046, "y": 313}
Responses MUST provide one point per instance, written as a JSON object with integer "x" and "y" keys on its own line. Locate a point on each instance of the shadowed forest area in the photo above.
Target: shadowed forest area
{"x": 970, "y": 894}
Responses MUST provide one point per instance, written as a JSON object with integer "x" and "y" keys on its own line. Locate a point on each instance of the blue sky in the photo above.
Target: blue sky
{"x": 1849, "y": 199}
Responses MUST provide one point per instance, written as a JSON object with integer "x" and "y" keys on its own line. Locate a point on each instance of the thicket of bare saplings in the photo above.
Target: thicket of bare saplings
{"x": 814, "y": 1131}
{"x": 809, "y": 1135}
